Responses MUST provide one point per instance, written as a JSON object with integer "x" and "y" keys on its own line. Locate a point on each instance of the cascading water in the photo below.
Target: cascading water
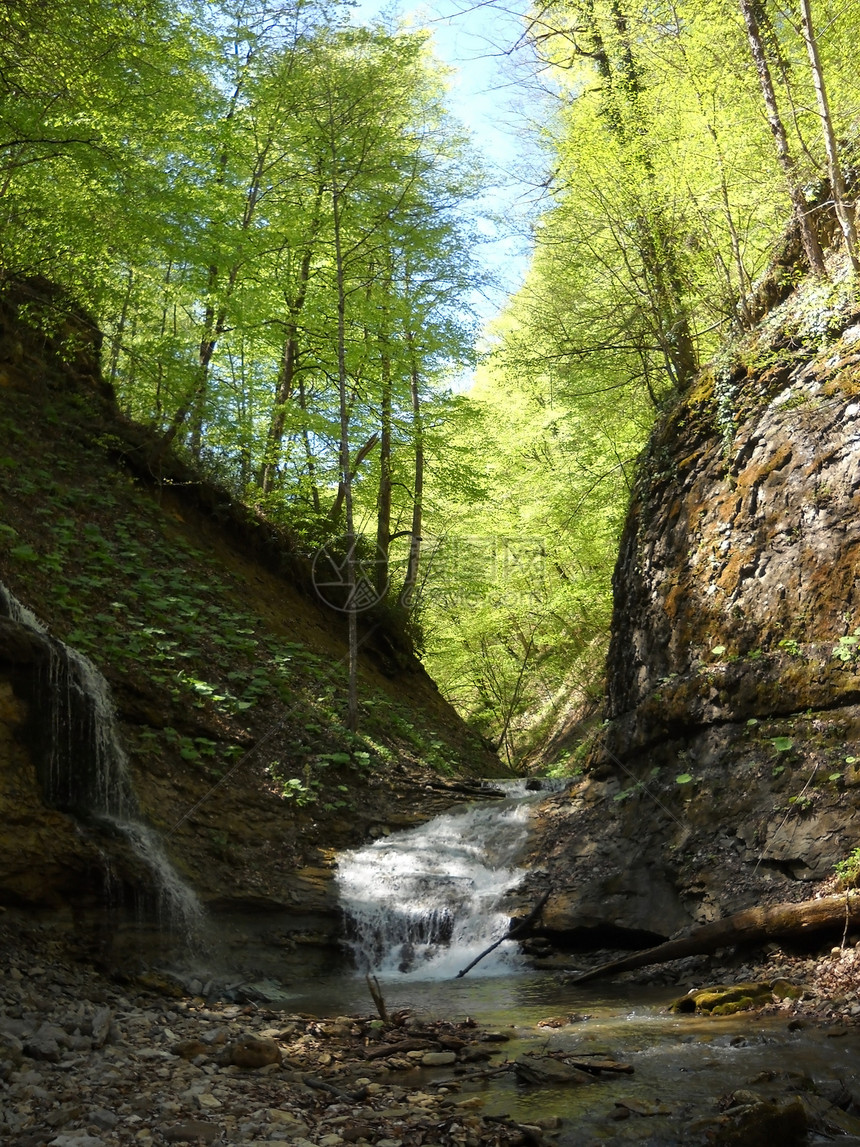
{"x": 83, "y": 768}
{"x": 425, "y": 902}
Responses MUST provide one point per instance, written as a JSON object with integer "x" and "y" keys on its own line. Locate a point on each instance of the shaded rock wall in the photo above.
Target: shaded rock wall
{"x": 726, "y": 773}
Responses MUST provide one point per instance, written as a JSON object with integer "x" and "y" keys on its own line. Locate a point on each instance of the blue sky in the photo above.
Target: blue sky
{"x": 477, "y": 41}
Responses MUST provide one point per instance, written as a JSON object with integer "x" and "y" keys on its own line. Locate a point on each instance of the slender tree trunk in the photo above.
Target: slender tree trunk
{"x": 844, "y": 213}
{"x": 811, "y": 246}
{"x": 340, "y": 499}
{"x": 383, "y": 497}
{"x": 159, "y": 403}
{"x": 345, "y": 467}
{"x": 310, "y": 460}
{"x": 668, "y": 319}
{"x": 290, "y": 356}
{"x": 411, "y": 582}
{"x": 277, "y": 424}
{"x": 216, "y": 314}
{"x": 116, "y": 344}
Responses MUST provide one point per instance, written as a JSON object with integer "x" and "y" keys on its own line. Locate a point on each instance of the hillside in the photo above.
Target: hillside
{"x": 227, "y": 670}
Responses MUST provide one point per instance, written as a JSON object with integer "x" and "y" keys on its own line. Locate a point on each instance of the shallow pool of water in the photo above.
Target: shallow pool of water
{"x": 682, "y": 1065}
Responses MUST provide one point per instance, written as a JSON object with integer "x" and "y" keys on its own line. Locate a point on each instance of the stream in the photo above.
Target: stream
{"x": 421, "y": 904}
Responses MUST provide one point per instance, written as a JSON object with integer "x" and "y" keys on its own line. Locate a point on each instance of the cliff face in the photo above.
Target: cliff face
{"x": 227, "y": 670}
{"x": 728, "y": 772}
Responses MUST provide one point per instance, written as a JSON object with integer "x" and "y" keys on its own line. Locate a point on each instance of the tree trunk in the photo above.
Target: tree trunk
{"x": 411, "y": 581}
{"x": 345, "y": 467}
{"x": 811, "y": 246}
{"x": 383, "y": 497}
{"x": 753, "y": 925}
{"x": 290, "y": 356}
{"x": 310, "y": 460}
{"x": 340, "y": 497}
{"x": 844, "y": 213}
{"x": 669, "y": 317}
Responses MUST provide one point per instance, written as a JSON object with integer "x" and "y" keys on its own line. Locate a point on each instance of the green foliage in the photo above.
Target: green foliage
{"x": 270, "y": 214}
{"x": 847, "y": 647}
{"x": 848, "y": 870}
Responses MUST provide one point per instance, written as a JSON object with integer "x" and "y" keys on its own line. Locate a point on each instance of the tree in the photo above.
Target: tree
{"x": 802, "y": 213}
{"x": 844, "y": 212}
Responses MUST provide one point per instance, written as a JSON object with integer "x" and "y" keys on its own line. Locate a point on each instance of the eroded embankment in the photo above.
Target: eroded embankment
{"x": 227, "y": 671}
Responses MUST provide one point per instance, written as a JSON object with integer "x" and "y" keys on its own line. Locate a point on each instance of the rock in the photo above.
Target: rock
{"x": 100, "y": 1024}
{"x": 250, "y": 1052}
{"x": 287, "y": 1123}
{"x": 785, "y": 990}
{"x": 103, "y": 1119}
{"x": 438, "y": 1058}
{"x": 724, "y": 1001}
{"x": 190, "y": 1131}
{"x": 545, "y": 1071}
{"x": 46, "y": 1043}
{"x": 77, "y": 1139}
{"x": 207, "y": 1101}
{"x": 11, "y": 1053}
{"x": 762, "y": 1122}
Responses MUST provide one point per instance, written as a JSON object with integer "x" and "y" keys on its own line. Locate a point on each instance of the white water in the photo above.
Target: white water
{"x": 423, "y": 903}
{"x": 83, "y": 722}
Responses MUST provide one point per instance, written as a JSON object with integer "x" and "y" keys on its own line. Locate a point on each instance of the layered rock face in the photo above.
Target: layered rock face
{"x": 726, "y": 773}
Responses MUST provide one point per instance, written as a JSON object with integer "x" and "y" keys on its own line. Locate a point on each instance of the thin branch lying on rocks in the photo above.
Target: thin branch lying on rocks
{"x": 752, "y": 925}
{"x": 324, "y": 1085}
{"x": 517, "y": 930}
{"x": 483, "y": 1073}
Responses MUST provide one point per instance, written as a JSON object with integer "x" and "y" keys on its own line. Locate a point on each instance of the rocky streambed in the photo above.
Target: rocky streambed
{"x": 88, "y": 1060}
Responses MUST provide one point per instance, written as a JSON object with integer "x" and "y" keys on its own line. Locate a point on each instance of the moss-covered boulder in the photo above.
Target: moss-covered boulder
{"x": 725, "y": 1000}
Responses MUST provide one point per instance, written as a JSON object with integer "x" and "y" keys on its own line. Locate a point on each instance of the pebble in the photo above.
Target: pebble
{"x": 85, "y": 1063}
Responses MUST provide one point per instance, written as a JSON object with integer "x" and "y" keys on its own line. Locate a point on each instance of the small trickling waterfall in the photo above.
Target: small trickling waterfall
{"x": 425, "y": 902}
{"x": 82, "y": 766}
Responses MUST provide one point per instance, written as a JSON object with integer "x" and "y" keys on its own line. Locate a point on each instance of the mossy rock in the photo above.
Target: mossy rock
{"x": 725, "y": 1000}
{"x": 763, "y": 1122}
{"x": 161, "y": 985}
{"x": 786, "y": 990}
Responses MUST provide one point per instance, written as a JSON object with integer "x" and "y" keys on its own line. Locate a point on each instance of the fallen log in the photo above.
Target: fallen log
{"x": 752, "y": 925}
{"x": 511, "y": 933}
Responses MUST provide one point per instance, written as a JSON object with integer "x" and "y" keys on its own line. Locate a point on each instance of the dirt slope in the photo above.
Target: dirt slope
{"x": 227, "y": 671}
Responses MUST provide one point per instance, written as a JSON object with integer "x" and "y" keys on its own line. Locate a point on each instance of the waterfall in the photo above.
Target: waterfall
{"x": 83, "y": 769}
{"x": 425, "y": 902}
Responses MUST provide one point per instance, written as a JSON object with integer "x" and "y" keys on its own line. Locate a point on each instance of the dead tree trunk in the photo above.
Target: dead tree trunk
{"x": 518, "y": 929}
{"x": 753, "y": 925}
